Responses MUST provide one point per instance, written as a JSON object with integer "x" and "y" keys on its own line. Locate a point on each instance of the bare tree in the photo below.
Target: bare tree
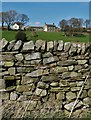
{"x": 8, "y": 17}
{"x": 23, "y": 18}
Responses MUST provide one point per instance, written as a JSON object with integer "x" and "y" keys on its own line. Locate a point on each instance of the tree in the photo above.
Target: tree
{"x": 23, "y": 18}
{"x": 3, "y": 18}
{"x": 63, "y": 24}
{"x": 8, "y": 17}
{"x": 87, "y": 23}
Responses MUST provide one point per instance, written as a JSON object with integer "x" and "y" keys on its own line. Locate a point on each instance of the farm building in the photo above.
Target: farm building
{"x": 17, "y": 26}
{"x": 50, "y": 28}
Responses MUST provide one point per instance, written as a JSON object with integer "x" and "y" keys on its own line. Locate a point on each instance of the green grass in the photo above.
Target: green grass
{"x": 10, "y": 35}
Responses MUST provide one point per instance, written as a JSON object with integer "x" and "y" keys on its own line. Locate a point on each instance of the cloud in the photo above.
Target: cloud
{"x": 37, "y": 23}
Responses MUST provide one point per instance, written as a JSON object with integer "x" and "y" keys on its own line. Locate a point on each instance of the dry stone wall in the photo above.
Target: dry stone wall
{"x": 46, "y": 76}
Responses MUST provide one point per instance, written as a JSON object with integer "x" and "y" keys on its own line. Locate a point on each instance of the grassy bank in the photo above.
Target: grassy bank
{"x": 10, "y": 35}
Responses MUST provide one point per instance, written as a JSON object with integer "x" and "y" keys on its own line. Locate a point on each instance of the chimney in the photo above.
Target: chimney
{"x": 53, "y": 23}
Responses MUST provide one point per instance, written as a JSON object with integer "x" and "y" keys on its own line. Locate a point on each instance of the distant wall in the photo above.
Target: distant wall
{"x": 46, "y": 76}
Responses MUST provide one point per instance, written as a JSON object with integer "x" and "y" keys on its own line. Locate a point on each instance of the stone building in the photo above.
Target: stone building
{"x": 50, "y": 28}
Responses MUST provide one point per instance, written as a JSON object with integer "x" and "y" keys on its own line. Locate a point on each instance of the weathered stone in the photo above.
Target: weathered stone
{"x": 89, "y": 93}
{"x": 2, "y": 84}
{"x": 50, "y": 78}
{"x": 73, "y": 49}
{"x": 28, "y": 80}
{"x": 11, "y": 88}
{"x": 73, "y": 74}
{"x": 84, "y": 94}
{"x": 12, "y": 70}
{"x": 3, "y": 43}
{"x": 49, "y": 45}
{"x": 79, "y": 48}
{"x": 64, "y": 55}
{"x": 82, "y": 62}
{"x": 35, "y": 62}
{"x": 66, "y": 75}
{"x": 8, "y": 77}
{"x": 28, "y": 46}
{"x": 40, "y": 92}
{"x": 4, "y": 73}
{"x": 63, "y": 83}
{"x": 78, "y": 67}
{"x": 83, "y": 48}
{"x": 24, "y": 69}
{"x": 33, "y": 56}
{"x": 55, "y": 89}
{"x": 19, "y": 63}
{"x": 19, "y": 57}
{"x": 11, "y": 45}
{"x": 41, "y": 85}
{"x": 46, "y": 72}
{"x": 50, "y": 60}
{"x": 72, "y": 84}
{"x": 70, "y": 95}
{"x": 6, "y": 57}
{"x": 4, "y": 96}
{"x": 24, "y": 88}
{"x": 17, "y": 45}
{"x": 87, "y": 101}
{"x": 60, "y": 45}
{"x": 60, "y": 96}
{"x": 9, "y": 64}
{"x": 55, "y": 45}
{"x": 54, "y": 84}
{"x": 70, "y": 105}
{"x": 18, "y": 82}
{"x": 47, "y": 55}
{"x": 79, "y": 83}
{"x": 13, "y": 96}
{"x": 70, "y": 68}
{"x": 67, "y": 63}
{"x": 35, "y": 73}
{"x": 67, "y": 46}
{"x": 58, "y": 69}
{"x": 40, "y": 44}
{"x": 83, "y": 70}
{"x": 75, "y": 89}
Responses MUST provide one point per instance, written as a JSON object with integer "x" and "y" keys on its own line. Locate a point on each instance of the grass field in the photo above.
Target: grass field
{"x": 10, "y": 35}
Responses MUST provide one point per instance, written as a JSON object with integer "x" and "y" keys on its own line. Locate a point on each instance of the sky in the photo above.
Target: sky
{"x": 49, "y": 12}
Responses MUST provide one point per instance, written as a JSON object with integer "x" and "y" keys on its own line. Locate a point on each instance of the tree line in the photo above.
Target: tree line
{"x": 9, "y": 17}
{"x": 67, "y": 26}
{"x": 74, "y": 25}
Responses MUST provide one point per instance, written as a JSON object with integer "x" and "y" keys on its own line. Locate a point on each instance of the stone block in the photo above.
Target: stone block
{"x": 70, "y": 96}
{"x": 50, "y": 60}
{"x": 33, "y": 56}
{"x": 19, "y": 57}
{"x": 28, "y": 46}
{"x": 35, "y": 73}
{"x": 17, "y": 45}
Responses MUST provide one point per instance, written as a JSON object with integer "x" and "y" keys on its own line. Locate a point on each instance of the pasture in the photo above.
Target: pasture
{"x": 48, "y": 36}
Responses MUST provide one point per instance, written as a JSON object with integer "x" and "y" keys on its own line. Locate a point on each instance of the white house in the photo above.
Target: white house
{"x": 17, "y": 26}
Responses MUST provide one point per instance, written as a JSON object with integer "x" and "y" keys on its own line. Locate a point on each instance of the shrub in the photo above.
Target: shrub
{"x": 21, "y": 36}
{"x": 78, "y": 35}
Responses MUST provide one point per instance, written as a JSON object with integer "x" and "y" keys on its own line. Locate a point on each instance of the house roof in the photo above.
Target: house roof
{"x": 50, "y": 25}
{"x": 36, "y": 27}
{"x": 18, "y": 23}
